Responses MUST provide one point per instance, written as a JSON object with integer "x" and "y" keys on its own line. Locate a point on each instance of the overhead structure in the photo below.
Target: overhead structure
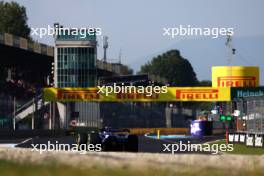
{"x": 105, "y": 46}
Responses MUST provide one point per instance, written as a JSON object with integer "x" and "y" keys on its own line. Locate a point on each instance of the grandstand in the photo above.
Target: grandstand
{"x": 27, "y": 67}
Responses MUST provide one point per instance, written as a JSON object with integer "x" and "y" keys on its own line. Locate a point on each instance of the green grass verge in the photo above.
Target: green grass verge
{"x": 10, "y": 168}
{"x": 243, "y": 149}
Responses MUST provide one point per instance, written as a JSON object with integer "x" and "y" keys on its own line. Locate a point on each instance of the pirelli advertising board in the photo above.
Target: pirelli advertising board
{"x": 202, "y": 94}
{"x": 235, "y": 76}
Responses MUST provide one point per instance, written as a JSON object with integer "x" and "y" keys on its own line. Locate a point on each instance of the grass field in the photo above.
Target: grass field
{"x": 243, "y": 149}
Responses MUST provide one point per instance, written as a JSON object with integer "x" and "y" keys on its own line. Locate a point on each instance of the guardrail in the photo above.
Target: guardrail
{"x": 26, "y": 105}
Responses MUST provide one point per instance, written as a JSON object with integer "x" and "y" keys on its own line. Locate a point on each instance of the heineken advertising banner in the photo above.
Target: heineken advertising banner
{"x": 247, "y": 92}
{"x": 205, "y": 94}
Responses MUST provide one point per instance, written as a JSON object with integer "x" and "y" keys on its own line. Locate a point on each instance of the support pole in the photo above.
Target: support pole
{"x": 50, "y": 115}
{"x": 53, "y": 116}
{"x": 14, "y": 114}
{"x": 33, "y": 114}
{"x": 227, "y": 133}
{"x": 158, "y": 134}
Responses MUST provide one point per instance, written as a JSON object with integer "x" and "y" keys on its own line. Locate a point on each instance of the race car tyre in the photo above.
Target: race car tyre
{"x": 81, "y": 139}
{"x": 132, "y": 143}
{"x": 110, "y": 144}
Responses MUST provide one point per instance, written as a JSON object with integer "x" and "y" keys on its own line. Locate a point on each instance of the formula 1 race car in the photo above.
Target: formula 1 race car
{"x": 110, "y": 139}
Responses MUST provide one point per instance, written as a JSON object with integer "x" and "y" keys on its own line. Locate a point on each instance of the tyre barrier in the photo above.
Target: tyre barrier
{"x": 259, "y": 140}
{"x": 231, "y": 137}
{"x": 236, "y": 137}
{"x": 242, "y": 138}
{"x": 248, "y": 139}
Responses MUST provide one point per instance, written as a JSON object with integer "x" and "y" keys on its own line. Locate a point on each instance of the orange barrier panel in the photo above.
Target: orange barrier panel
{"x": 162, "y": 130}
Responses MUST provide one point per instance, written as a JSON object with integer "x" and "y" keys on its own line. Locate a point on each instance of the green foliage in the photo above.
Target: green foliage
{"x": 13, "y": 19}
{"x": 173, "y": 67}
{"x": 205, "y": 83}
{"x": 242, "y": 149}
{"x": 205, "y": 106}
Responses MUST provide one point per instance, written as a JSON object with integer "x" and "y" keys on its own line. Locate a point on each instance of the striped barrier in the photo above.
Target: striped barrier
{"x": 242, "y": 138}
{"x": 248, "y": 139}
{"x": 258, "y": 140}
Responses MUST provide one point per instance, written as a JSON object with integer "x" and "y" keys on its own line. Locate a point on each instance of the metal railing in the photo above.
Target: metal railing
{"x": 28, "y": 104}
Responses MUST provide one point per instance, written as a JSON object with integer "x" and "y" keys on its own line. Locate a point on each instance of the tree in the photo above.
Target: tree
{"x": 173, "y": 67}
{"x": 205, "y": 83}
{"x": 13, "y": 19}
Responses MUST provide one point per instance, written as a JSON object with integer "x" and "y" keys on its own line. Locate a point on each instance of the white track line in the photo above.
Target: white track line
{"x": 24, "y": 141}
